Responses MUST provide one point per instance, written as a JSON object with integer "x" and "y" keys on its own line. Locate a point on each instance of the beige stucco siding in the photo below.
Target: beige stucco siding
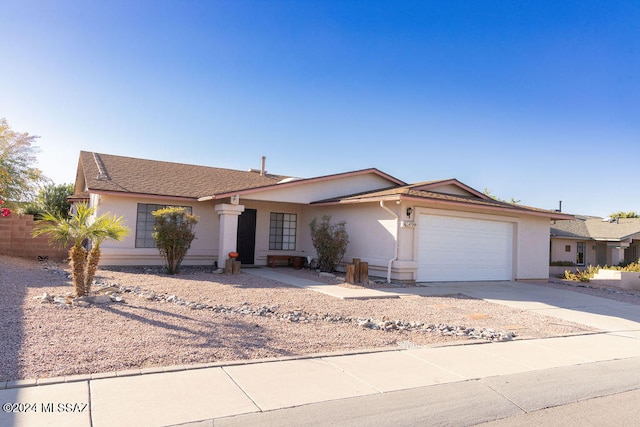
{"x": 372, "y": 229}
{"x": 320, "y": 190}
{"x": 263, "y": 215}
{"x": 532, "y": 248}
{"x": 203, "y": 248}
{"x": 558, "y": 252}
{"x": 372, "y": 233}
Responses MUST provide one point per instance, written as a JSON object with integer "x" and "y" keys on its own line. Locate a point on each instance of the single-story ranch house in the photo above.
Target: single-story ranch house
{"x": 425, "y": 232}
{"x": 590, "y": 240}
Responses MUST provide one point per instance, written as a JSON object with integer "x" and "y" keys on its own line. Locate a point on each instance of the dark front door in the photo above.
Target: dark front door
{"x": 246, "y": 242}
{"x": 601, "y": 254}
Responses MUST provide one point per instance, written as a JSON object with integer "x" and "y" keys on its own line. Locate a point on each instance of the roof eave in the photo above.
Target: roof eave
{"x": 392, "y": 198}
{"x": 143, "y": 195}
{"x": 404, "y": 197}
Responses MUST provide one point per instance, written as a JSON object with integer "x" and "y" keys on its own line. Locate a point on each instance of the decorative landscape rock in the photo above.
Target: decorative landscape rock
{"x": 112, "y": 292}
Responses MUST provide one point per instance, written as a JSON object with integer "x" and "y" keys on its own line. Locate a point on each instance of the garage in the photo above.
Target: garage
{"x": 464, "y": 249}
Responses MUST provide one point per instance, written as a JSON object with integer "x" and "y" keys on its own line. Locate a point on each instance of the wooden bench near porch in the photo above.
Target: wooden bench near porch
{"x": 292, "y": 261}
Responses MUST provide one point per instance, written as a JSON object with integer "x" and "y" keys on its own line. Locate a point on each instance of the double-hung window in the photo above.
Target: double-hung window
{"x": 145, "y": 223}
{"x": 282, "y": 231}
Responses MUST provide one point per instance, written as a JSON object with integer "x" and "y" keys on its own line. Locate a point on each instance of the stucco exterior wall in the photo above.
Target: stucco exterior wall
{"x": 532, "y": 249}
{"x": 263, "y": 216}
{"x": 320, "y": 190}
{"x": 203, "y": 249}
{"x": 558, "y": 252}
{"x": 371, "y": 232}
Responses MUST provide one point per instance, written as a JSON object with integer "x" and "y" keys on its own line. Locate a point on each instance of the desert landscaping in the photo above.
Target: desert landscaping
{"x": 199, "y": 316}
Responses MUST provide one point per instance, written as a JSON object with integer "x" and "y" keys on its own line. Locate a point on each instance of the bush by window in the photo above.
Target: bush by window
{"x": 145, "y": 222}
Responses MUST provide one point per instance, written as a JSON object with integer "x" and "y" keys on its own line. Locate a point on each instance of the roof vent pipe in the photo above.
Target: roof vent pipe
{"x": 262, "y": 171}
{"x": 559, "y": 207}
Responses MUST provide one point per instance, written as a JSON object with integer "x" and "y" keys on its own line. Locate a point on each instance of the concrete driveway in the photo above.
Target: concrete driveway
{"x": 602, "y": 313}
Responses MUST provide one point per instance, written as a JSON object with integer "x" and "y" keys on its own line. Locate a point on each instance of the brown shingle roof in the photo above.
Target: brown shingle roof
{"x": 408, "y": 192}
{"x": 106, "y": 172}
{"x": 597, "y": 228}
{"x": 575, "y": 229}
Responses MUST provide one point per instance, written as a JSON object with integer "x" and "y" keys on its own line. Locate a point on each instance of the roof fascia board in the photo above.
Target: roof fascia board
{"x": 393, "y": 198}
{"x": 551, "y": 215}
{"x": 402, "y": 197}
{"x": 142, "y": 195}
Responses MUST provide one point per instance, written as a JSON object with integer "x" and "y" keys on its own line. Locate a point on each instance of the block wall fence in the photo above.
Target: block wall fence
{"x": 16, "y": 240}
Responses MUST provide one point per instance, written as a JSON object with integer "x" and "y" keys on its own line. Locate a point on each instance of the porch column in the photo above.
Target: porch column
{"x": 228, "y": 230}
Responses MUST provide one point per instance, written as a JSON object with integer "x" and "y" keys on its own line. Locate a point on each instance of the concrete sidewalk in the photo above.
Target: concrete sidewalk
{"x": 186, "y": 394}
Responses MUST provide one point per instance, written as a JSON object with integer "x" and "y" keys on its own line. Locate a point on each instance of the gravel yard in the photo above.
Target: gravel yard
{"x": 229, "y": 317}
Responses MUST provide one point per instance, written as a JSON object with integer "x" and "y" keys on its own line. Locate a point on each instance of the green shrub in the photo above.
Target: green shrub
{"x": 562, "y": 263}
{"x": 330, "y": 241}
{"x": 586, "y": 275}
{"x": 582, "y": 276}
{"x": 173, "y": 233}
{"x": 632, "y": 266}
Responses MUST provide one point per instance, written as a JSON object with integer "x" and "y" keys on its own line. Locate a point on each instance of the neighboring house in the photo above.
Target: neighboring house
{"x": 431, "y": 231}
{"x": 589, "y": 240}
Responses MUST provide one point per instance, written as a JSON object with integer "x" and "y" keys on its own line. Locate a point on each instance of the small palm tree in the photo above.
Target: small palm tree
{"x": 103, "y": 228}
{"x": 75, "y": 231}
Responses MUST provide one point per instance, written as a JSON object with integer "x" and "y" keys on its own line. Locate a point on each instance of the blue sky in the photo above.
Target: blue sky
{"x": 535, "y": 100}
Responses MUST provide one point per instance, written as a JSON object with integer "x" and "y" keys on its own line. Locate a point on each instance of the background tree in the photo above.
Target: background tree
{"x": 330, "y": 240}
{"x": 74, "y": 231}
{"x": 487, "y": 192}
{"x": 51, "y": 198}
{"x": 173, "y": 233}
{"x": 19, "y": 178}
{"x": 630, "y": 214}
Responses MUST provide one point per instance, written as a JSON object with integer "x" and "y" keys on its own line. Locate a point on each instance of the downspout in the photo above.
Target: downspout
{"x": 395, "y": 250}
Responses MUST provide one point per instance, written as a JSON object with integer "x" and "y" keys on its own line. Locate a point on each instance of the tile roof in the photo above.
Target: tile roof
{"x": 106, "y": 172}
{"x": 597, "y": 228}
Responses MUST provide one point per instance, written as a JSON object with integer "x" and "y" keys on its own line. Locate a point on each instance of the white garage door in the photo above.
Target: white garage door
{"x": 464, "y": 249}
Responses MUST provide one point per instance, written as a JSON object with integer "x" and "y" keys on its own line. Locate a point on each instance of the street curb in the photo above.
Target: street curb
{"x": 178, "y": 368}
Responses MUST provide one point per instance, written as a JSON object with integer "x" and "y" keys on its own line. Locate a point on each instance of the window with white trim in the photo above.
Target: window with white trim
{"x": 145, "y": 223}
{"x": 282, "y": 231}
